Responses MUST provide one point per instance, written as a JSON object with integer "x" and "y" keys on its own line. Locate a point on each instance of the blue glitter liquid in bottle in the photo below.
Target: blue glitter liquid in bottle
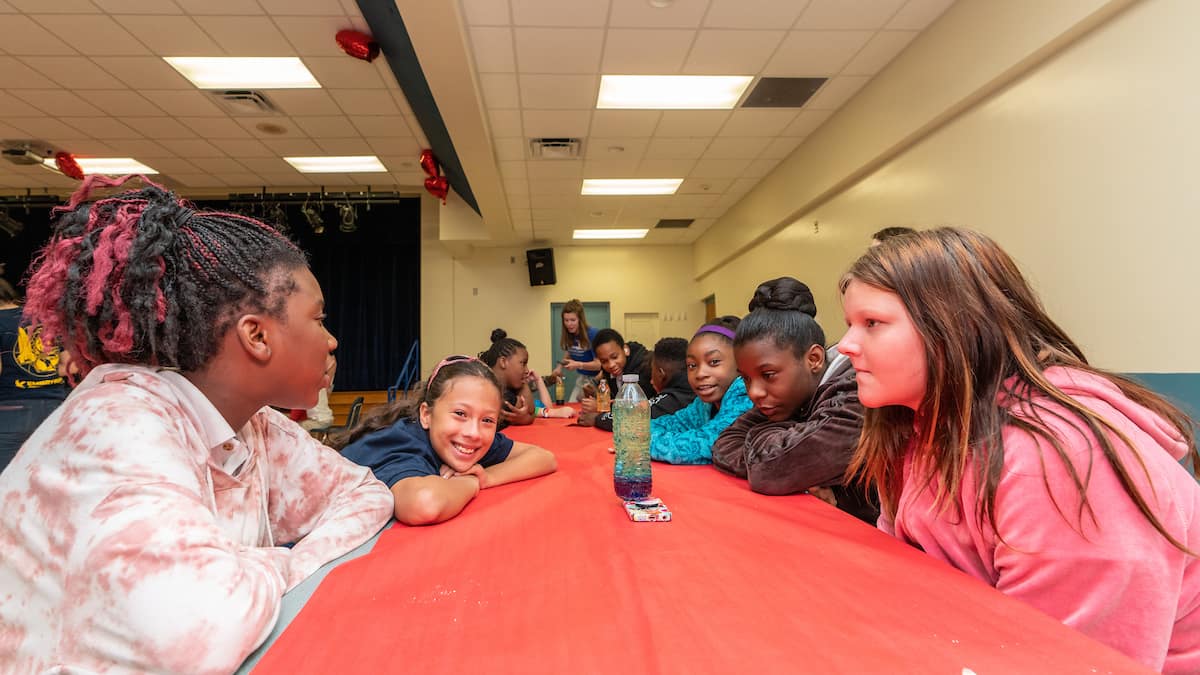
{"x": 631, "y": 440}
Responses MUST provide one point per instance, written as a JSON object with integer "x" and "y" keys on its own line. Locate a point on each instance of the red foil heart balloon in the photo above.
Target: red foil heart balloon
{"x": 359, "y": 45}
{"x": 68, "y": 166}
{"x": 438, "y": 187}
{"x": 429, "y": 163}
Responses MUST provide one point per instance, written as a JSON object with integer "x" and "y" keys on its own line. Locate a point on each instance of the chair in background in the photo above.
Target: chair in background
{"x": 352, "y": 418}
{"x": 410, "y": 372}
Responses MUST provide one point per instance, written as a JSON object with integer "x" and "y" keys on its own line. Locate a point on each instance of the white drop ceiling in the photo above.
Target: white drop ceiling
{"x": 87, "y": 77}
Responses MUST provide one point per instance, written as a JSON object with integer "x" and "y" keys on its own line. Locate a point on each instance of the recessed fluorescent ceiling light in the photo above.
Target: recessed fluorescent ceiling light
{"x": 244, "y": 73}
{"x": 109, "y": 166}
{"x": 672, "y": 92}
{"x": 611, "y": 234}
{"x": 630, "y": 186}
{"x": 359, "y": 164}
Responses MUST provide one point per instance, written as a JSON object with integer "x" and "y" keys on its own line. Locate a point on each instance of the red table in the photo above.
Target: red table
{"x": 550, "y": 576}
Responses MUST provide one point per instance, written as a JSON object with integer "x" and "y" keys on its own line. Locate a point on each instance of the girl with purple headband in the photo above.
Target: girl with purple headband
{"x": 806, "y": 419}
{"x": 687, "y": 436}
{"x": 438, "y": 452}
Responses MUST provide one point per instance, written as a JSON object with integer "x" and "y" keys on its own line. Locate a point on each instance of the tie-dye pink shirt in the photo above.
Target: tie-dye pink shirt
{"x": 139, "y": 532}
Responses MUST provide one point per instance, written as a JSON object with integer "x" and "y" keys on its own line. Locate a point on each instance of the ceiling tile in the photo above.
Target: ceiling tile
{"x": 214, "y": 127}
{"x": 240, "y": 178}
{"x": 255, "y": 124}
{"x": 880, "y": 51}
{"x": 714, "y": 186}
{"x": 251, "y": 153}
{"x": 330, "y": 126}
{"x": 731, "y": 52}
{"x": 301, "y": 7}
{"x": 505, "y": 123}
{"x": 493, "y": 48}
{"x": 217, "y": 164}
{"x": 58, "y": 102}
{"x": 12, "y": 107}
{"x": 344, "y": 72}
{"x": 676, "y": 148}
{"x": 512, "y": 170}
{"x": 23, "y": 37}
{"x": 781, "y": 147}
{"x": 720, "y": 168}
{"x": 617, "y": 123}
{"x": 559, "y": 12}
{"x": 159, "y": 127}
{"x": 760, "y": 167}
{"x": 847, "y": 14}
{"x": 917, "y": 14}
{"x": 486, "y": 12}
{"x": 509, "y": 149}
{"x": 198, "y": 179}
{"x": 762, "y": 122}
{"x": 16, "y": 75}
{"x": 610, "y": 168}
{"x": 342, "y": 147}
{"x": 559, "y": 92}
{"x": 292, "y": 147}
{"x": 748, "y": 147}
{"x": 174, "y": 165}
{"x": 184, "y": 103}
{"x": 815, "y": 53}
{"x": 807, "y": 123}
{"x": 558, "y": 50}
{"x": 144, "y": 72}
{"x": 837, "y": 91}
{"x": 691, "y": 122}
{"x": 141, "y": 148}
{"x": 645, "y": 52}
{"x": 171, "y": 36}
{"x": 641, "y": 14}
{"x": 138, "y": 7}
{"x": 753, "y": 13}
{"x": 558, "y": 186}
{"x": 406, "y": 146}
{"x": 200, "y": 7}
{"x": 84, "y": 147}
{"x": 514, "y": 186}
{"x": 104, "y": 128}
{"x": 517, "y": 201}
{"x": 57, "y": 7}
{"x": 94, "y": 35}
{"x": 499, "y": 90}
{"x": 304, "y": 102}
{"x": 191, "y": 148}
{"x": 42, "y": 127}
{"x": 664, "y": 168}
{"x": 247, "y": 35}
{"x": 381, "y": 126}
{"x": 365, "y": 101}
{"x": 548, "y": 169}
{"x": 555, "y": 123}
{"x": 75, "y": 72}
{"x": 615, "y": 149}
{"x": 312, "y": 35}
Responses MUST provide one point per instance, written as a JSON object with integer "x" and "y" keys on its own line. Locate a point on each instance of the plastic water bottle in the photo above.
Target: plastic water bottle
{"x": 631, "y": 440}
{"x": 603, "y": 396}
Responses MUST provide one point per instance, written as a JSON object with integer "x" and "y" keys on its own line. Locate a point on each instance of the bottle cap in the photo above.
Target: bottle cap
{"x": 630, "y": 378}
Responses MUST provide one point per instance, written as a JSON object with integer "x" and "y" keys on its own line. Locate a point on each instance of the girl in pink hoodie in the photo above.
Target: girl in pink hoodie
{"x": 998, "y": 449}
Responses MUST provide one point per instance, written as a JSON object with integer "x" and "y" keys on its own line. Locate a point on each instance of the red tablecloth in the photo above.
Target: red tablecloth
{"x": 550, "y": 576}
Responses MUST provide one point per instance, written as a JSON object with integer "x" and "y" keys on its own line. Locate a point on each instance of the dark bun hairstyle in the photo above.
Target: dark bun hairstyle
{"x": 783, "y": 311}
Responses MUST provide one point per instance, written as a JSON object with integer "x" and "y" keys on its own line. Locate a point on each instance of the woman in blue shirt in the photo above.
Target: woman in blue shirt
{"x": 576, "y": 341}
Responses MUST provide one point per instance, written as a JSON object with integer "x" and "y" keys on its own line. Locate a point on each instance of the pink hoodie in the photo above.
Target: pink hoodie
{"x": 1119, "y": 581}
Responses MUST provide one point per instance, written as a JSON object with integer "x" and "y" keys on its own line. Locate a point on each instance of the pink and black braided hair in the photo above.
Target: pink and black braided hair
{"x": 141, "y": 277}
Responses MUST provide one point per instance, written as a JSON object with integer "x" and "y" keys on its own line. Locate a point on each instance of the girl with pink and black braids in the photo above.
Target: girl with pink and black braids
{"x": 165, "y": 488}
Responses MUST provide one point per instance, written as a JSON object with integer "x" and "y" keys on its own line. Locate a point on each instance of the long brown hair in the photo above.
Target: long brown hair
{"x": 986, "y": 337}
{"x": 574, "y": 306}
{"x": 383, "y": 417}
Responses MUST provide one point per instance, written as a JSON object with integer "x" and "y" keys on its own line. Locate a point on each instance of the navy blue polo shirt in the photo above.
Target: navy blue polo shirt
{"x": 403, "y": 451}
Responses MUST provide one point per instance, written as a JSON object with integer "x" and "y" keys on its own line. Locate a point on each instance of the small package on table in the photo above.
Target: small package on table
{"x": 647, "y": 510}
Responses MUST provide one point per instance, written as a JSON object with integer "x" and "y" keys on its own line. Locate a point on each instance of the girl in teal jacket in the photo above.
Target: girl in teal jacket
{"x": 687, "y": 436}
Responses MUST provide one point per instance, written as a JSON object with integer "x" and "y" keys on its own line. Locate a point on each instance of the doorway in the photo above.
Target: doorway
{"x": 597, "y": 314}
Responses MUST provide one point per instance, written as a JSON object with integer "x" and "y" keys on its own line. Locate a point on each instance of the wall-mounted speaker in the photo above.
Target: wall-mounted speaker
{"x": 541, "y": 266}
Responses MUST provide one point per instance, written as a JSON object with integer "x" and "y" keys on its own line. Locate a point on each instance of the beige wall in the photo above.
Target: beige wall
{"x": 1083, "y": 169}
{"x": 464, "y": 298}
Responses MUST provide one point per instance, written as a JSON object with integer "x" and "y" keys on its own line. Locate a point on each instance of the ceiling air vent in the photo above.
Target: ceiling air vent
{"x": 555, "y": 148}
{"x": 782, "y": 92}
{"x": 240, "y": 102}
{"x": 25, "y": 152}
{"x": 675, "y": 223}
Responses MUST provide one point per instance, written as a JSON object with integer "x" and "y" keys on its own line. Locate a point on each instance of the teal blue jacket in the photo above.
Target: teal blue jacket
{"x": 687, "y": 436}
